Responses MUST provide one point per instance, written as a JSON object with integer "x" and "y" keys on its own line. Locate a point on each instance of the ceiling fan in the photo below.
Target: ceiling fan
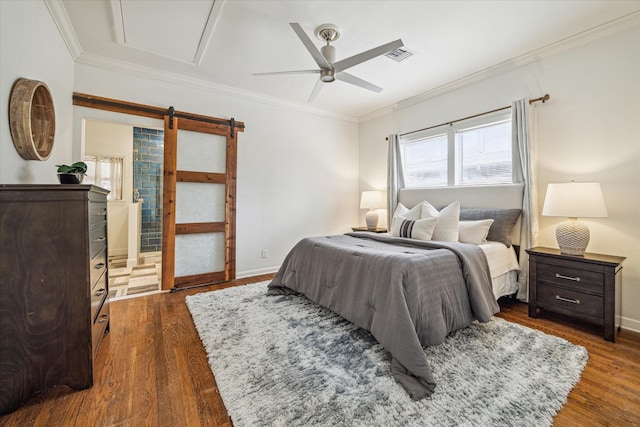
{"x": 330, "y": 70}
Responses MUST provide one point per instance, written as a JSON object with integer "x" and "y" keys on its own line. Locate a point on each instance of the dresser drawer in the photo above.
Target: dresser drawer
{"x": 97, "y": 238}
{"x": 570, "y": 302}
{"x": 100, "y": 326}
{"x": 580, "y": 280}
{"x": 97, "y": 266}
{"x": 98, "y": 293}
{"x": 97, "y": 211}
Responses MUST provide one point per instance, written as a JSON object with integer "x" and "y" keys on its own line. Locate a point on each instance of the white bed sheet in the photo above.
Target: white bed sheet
{"x": 503, "y": 265}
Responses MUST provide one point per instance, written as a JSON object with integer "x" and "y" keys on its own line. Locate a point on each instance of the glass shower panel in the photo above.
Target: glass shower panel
{"x": 201, "y": 152}
{"x": 199, "y": 253}
{"x": 199, "y": 202}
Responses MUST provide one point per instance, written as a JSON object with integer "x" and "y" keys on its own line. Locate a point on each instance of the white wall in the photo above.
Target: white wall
{"x": 114, "y": 140}
{"x": 373, "y": 160}
{"x": 31, "y": 47}
{"x": 297, "y": 171}
{"x": 589, "y": 131}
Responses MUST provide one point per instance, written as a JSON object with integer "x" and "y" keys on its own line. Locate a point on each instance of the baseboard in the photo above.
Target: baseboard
{"x": 629, "y": 324}
{"x": 256, "y": 272}
{"x": 117, "y": 251}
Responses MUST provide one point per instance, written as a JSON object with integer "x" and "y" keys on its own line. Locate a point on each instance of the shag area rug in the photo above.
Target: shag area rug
{"x": 285, "y": 361}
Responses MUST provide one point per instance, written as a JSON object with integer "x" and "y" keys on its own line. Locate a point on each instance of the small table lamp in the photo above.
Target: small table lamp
{"x": 371, "y": 200}
{"x": 573, "y": 200}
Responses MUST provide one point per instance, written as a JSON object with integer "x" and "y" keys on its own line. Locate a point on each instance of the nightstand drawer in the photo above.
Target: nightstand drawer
{"x": 570, "y": 302}
{"x": 580, "y": 280}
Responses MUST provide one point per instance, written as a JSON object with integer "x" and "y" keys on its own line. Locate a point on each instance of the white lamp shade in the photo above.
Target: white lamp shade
{"x": 574, "y": 200}
{"x": 371, "y": 200}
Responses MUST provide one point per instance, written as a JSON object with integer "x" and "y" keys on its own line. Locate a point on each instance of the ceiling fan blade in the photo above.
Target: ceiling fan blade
{"x": 350, "y": 78}
{"x": 316, "y": 90}
{"x": 313, "y": 50}
{"x": 275, "y": 73}
{"x": 367, "y": 55}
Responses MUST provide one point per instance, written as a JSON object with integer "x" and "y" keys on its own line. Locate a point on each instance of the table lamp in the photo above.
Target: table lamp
{"x": 574, "y": 200}
{"x": 371, "y": 200}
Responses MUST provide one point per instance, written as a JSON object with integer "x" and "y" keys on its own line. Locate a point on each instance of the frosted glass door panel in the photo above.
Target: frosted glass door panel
{"x": 197, "y": 202}
{"x": 199, "y": 253}
{"x": 201, "y": 152}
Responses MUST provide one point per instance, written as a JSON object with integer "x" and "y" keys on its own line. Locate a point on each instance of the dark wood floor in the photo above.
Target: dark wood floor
{"x": 154, "y": 371}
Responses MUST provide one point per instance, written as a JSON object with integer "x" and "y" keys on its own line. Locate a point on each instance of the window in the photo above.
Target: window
{"x": 425, "y": 162}
{"x": 483, "y": 154}
{"x": 473, "y": 152}
{"x": 105, "y": 172}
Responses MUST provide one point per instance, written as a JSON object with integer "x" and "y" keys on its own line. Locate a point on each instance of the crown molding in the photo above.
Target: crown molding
{"x": 168, "y": 77}
{"x": 378, "y": 113}
{"x": 566, "y": 44}
{"x": 61, "y": 19}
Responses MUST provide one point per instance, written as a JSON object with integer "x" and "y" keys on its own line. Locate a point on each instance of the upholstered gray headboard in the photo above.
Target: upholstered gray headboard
{"x": 507, "y": 196}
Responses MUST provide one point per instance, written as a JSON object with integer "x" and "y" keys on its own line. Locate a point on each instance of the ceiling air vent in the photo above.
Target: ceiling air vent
{"x": 399, "y": 54}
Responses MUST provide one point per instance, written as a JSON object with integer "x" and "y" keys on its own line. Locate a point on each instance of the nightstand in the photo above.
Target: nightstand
{"x": 585, "y": 287}
{"x": 377, "y": 230}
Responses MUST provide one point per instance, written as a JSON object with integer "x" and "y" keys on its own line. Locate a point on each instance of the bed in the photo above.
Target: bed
{"x": 408, "y": 290}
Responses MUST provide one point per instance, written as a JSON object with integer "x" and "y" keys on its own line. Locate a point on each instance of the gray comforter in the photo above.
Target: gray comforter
{"x": 407, "y": 293}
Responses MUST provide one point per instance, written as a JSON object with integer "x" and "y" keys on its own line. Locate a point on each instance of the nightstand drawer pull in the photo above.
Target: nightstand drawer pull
{"x": 560, "y": 276}
{"x": 572, "y": 301}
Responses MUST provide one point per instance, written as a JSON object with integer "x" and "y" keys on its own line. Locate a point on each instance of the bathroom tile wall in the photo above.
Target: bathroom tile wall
{"x": 148, "y": 153}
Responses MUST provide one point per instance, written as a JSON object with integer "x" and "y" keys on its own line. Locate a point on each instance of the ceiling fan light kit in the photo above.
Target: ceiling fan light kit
{"x": 330, "y": 69}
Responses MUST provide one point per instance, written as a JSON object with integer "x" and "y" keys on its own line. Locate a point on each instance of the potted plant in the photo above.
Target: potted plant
{"x": 73, "y": 174}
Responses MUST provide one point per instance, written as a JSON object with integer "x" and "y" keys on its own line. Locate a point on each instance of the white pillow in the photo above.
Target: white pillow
{"x": 420, "y": 229}
{"x": 413, "y": 213}
{"x": 447, "y": 226}
{"x": 474, "y": 231}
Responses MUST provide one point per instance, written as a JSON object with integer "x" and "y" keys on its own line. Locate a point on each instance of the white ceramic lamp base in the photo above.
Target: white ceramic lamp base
{"x": 371, "y": 218}
{"x": 572, "y": 236}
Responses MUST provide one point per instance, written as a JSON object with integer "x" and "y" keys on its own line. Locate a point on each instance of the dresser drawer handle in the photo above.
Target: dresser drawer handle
{"x": 99, "y": 266}
{"x": 560, "y": 276}
{"x": 103, "y": 318}
{"x": 100, "y": 239}
{"x": 102, "y": 213}
{"x": 572, "y": 301}
{"x": 102, "y": 290}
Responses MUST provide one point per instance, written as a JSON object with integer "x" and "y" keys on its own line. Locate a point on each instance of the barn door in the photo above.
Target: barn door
{"x": 198, "y": 244}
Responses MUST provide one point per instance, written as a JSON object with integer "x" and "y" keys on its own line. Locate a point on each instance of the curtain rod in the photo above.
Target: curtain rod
{"x": 543, "y": 99}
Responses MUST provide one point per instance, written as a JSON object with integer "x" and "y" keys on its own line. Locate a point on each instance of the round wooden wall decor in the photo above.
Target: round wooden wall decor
{"x": 32, "y": 119}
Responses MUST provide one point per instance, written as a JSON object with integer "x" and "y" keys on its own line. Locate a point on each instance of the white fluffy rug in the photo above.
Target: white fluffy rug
{"x": 282, "y": 360}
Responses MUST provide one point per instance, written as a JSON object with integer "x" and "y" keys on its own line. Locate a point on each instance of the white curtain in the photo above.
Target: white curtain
{"x": 524, "y": 139}
{"x": 395, "y": 176}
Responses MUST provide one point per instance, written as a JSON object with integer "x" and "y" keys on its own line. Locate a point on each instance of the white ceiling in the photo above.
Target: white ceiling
{"x": 225, "y": 42}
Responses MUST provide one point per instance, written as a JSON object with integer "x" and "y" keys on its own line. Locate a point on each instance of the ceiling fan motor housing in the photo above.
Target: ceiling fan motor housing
{"x": 329, "y": 52}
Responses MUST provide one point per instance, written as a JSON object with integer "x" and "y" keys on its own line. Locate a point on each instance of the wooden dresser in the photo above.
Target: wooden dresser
{"x": 585, "y": 287}
{"x": 54, "y": 305}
